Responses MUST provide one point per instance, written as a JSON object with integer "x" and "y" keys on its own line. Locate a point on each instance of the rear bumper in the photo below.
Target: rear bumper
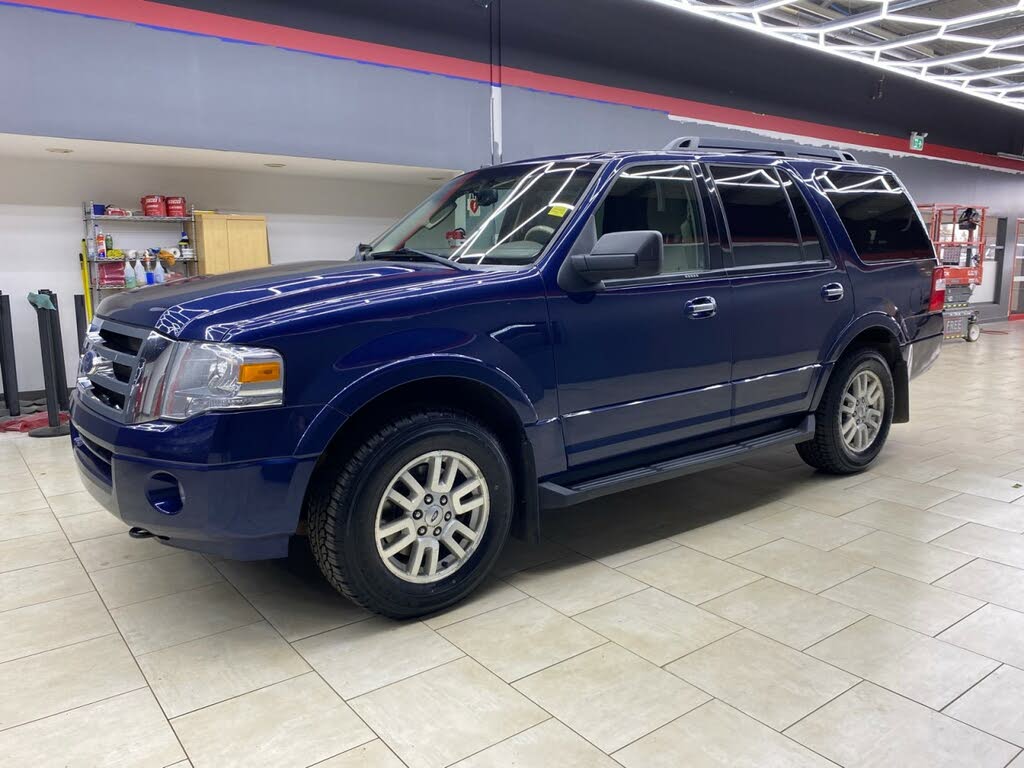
{"x": 240, "y": 509}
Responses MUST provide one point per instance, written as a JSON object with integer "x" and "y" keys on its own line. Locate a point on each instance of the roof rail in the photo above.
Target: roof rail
{"x": 744, "y": 147}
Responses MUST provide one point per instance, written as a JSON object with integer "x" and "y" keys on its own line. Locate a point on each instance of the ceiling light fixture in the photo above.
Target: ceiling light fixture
{"x": 60, "y": 150}
{"x": 274, "y": 165}
{"x": 979, "y": 53}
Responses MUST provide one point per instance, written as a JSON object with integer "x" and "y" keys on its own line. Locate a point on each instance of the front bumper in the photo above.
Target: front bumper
{"x": 197, "y": 484}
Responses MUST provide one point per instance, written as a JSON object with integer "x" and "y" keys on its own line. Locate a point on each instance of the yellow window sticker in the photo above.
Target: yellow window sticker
{"x": 558, "y": 210}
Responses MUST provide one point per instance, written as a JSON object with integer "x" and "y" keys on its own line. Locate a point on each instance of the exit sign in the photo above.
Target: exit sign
{"x": 917, "y": 141}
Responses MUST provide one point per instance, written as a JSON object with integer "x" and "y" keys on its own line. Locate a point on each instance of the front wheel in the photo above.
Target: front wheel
{"x": 852, "y": 421}
{"x": 973, "y": 332}
{"x": 417, "y": 516}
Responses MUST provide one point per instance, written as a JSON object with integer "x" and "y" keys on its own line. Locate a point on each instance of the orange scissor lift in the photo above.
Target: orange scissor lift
{"x": 958, "y": 234}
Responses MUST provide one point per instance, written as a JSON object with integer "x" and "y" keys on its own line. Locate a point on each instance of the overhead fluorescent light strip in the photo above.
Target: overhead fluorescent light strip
{"x": 999, "y": 85}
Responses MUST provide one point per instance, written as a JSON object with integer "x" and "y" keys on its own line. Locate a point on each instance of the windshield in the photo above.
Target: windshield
{"x": 500, "y": 215}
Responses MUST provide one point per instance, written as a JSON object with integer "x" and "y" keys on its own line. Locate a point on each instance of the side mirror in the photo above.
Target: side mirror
{"x": 619, "y": 255}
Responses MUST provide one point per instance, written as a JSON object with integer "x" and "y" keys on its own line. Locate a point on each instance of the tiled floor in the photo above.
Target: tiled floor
{"x": 754, "y": 615}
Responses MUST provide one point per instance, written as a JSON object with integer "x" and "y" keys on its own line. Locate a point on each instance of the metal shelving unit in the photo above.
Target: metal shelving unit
{"x": 110, "y": 224}
{"x": 104, "y": 217}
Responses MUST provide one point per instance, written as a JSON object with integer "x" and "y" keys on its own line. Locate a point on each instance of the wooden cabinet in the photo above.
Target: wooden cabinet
{"x": 230, "y": 242}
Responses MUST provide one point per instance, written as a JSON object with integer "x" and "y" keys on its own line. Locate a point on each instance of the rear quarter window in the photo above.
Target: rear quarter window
{"x": 878, "y": 214}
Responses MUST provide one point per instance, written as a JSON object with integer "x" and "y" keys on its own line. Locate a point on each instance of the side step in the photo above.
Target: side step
{"x": 553, "y": 495}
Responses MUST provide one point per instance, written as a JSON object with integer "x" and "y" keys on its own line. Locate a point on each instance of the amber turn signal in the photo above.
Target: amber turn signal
{"x": 252, "y": 373}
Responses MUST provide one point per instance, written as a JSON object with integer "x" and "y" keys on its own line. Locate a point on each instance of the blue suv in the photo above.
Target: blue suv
{"x": 534, "y": 335}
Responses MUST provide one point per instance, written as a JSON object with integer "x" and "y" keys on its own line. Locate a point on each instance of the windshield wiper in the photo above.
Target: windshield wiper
{"x": 417, "y": 253}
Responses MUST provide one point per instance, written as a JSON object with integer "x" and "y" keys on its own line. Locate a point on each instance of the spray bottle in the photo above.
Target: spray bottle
{"x": 140, "y": 273}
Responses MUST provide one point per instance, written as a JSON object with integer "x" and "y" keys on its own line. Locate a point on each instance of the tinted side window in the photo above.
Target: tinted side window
{"x": 662, "y": 198}
{"x": 878, "y": 215}
{"x": 804, "y": 221}
{"x": 760, "y": 225}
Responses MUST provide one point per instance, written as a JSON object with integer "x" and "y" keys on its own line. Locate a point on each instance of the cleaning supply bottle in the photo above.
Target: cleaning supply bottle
{"x": 184, "y": 242}
{"x": 140, "y": 273}
{"x": 101, "y": 244}
{"x": 158, "y": 272}
{"x": 129, "y": 275}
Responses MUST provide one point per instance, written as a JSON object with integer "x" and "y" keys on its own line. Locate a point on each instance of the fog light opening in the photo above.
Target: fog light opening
{"x": 165, "y": 494}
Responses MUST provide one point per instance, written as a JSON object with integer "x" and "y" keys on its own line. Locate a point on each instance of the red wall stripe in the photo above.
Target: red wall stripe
{"x": 229, "y": 27}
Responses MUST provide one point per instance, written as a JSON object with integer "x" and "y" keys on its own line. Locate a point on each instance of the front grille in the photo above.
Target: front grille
{"x": 120, "y": 342}
{"x": 109, "y": 361}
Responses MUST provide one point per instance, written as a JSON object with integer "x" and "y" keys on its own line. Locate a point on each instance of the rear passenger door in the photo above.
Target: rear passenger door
{"x": 791, "y": 300}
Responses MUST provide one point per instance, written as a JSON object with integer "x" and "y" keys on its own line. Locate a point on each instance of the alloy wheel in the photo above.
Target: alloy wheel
{"x": 861, "y": 411}
{"x": 432, "y": 516}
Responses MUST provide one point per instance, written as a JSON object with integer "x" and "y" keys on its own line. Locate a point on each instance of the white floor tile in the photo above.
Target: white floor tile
{"x": 466, "y": 708}
{"x": 291, "y": 724}
{"x": 995, "y": 705}
{"x": 656, "y": 625}
{"x": 610, "y": 696}
{"x": 917, "y": 666}
{"x": 903, "y": 601}
{"x": 518, "y": 639}
{"x": 762, "y": 678}
{"x": 373, "y": 653}
{"x": 717, "y": 736}
{"x": 784, "y": 613}
{"x": 869, "y": 727}
{"x": 134, "y": 733}
{"x": 196, "y": 674}
{"x": 992, "y": 631}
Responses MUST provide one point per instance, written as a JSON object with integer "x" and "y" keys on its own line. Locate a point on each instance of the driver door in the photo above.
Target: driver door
{"x": 647, "y": 361}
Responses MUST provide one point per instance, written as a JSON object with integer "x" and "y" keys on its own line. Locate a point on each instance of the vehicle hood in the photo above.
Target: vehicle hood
{"x": 189, "y": 308}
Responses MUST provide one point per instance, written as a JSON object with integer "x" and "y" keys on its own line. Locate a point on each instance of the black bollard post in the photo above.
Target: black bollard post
{"x": 81, "y": 323}
{"x": 50, "y": 373}
{"x": 63, "y": 396}
{"x": 8, "y": 373}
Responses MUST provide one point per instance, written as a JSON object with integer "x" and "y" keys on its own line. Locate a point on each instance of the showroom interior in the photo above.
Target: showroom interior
{"x": 759, "y": 612}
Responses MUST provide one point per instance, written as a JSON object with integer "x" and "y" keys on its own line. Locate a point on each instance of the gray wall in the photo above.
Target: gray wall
{"x": 92, "y": 78}
{"x": 77, "y": 77}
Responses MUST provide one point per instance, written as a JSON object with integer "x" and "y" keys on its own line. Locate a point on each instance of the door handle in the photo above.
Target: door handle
{"x": 699, "y": 308}
{"x": 832, "y": 291}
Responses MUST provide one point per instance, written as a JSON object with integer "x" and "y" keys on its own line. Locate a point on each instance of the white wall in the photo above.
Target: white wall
{"x": 41, "y": 225}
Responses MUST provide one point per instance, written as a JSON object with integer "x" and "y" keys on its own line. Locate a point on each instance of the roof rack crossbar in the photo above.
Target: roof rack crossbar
{"x": 742, "y": 146}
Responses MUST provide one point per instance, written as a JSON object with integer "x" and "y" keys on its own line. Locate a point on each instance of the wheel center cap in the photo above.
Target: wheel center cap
{"x": 432, "y": 515}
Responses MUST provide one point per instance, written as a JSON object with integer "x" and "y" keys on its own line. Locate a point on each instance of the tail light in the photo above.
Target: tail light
{"x": 938, "y": 299}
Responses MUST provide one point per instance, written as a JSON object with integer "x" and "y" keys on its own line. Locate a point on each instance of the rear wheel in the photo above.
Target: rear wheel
{"x": 416, "y": 517}
{"x": 973, "y": 332}
{"x": 852, "y": 421}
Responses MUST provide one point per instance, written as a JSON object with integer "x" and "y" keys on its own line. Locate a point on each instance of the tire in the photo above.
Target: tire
{"x": 827, "y": 450}
{"x": 973, "y": 332}
{"x": 349, "y": 511}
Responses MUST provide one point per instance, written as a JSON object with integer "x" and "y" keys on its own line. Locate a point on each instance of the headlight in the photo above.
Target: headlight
{"x": 179, "y": 379}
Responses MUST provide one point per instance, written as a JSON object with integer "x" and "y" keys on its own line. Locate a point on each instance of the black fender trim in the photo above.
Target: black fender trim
{"x": 897, "y": 353}
{"x": 901, "y": 392}
{"x": 526, "y": 520}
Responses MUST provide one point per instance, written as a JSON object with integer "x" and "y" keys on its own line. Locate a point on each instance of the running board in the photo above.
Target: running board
{"x": 553, "y": 495}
